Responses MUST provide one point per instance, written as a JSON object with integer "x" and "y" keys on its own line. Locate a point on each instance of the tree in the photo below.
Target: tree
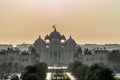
{"x": 79, "y": 50}
{"x": 97, "y": 72}
{"x": 72, "y": 67}
{"x": 39, "y": 70}
{"x": 87, "y": 51}
{"x": 94, "y": 72}
{"x": 78, "y": 69}
{"x": 83, "y": 72}
{"x": 32, "y": 76}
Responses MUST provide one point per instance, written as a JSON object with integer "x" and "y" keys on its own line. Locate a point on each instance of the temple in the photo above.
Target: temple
{"x": 55, "y": 49}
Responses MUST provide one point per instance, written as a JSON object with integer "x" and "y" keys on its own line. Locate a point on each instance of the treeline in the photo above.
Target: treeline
{"x": 35, "y": 72}
{"x": 94, "y": 72}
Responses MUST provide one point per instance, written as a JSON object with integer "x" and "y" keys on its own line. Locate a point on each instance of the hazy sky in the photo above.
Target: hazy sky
{"x": 88, "y": 21}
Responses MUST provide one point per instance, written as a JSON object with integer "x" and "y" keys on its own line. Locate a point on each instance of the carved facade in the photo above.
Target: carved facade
{"x": 13, "y": 60}
{"x": 55, "y": 49}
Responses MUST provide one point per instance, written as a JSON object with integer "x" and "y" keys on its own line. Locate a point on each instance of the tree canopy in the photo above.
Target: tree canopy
{"x": 35, "y": 72}
{"x": 94, "y": 72}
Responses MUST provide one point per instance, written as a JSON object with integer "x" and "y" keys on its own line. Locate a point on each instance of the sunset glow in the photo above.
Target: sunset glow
{"x": 88, "y": 21}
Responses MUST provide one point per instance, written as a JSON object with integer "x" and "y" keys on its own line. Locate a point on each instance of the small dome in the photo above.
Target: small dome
{"x": 39, "y": 42}
{"x": 70, "y": 42}
{"x": 47, "y": 37}
{"x": 63, "y": 37}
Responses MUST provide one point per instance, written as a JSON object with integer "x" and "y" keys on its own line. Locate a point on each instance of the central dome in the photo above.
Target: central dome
{"x": 55, "y": 34}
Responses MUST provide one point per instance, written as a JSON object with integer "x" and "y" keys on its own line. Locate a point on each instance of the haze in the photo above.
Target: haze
{"x": 88, "y": 21}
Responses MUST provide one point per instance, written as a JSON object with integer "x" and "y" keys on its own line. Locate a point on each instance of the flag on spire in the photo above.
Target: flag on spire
{"x": 53, "y": 26}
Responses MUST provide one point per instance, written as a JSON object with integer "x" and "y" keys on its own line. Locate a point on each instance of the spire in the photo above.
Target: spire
{"x": 54, "y": 27}
{"x": 39, "y": 37}
{"x": 70, "y": 37}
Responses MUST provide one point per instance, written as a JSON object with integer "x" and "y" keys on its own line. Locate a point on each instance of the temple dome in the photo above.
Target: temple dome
{"x": 39, "y": 42}
{"x": 55, "y": 34}
{"x": 70, "y": 42}
{"x": 63, "y": 37}
{"x": 47, "y": 37}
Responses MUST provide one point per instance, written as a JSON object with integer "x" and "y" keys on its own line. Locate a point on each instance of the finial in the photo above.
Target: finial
{"x": 39, "y": 37}
{"x": 70, "y": 36}
{"x": 54, "y": 27}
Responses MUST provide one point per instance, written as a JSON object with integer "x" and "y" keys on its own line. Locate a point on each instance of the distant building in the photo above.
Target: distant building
{"x": 109, "y": 47}
{"x": 103, "y": 57}
{"x": 23, "y": 47}
{"x": 97, "y": 56}
{"x": 13, "y": 60}
{"x": 5, "y": 46}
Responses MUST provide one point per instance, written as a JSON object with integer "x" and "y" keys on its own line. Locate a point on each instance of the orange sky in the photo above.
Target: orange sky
{"x": 88, "y": 21}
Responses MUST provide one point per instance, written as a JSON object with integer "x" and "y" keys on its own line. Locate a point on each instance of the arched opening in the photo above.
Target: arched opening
{"x": 47, "y": 41}
{"x": 62, "y": 41}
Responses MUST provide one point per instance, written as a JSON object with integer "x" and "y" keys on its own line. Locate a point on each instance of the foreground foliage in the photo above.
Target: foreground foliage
{"x": 59, "y": 76}
{"x": 35, "y": 72}
{"x": 94, "y": 72}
